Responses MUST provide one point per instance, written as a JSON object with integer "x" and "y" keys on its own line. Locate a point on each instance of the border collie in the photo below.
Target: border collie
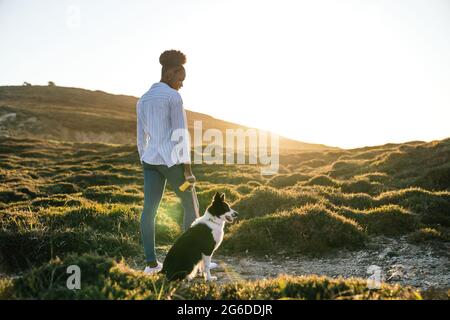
{"x": 192, "y": 251}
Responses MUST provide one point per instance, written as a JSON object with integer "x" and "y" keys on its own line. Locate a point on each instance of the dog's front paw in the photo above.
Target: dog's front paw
{"x": 212, "y": 278}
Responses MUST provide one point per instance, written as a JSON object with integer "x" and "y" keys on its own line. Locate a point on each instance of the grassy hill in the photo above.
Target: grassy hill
{"x": 67, "y": 202}
{"x": 73, "y": 114}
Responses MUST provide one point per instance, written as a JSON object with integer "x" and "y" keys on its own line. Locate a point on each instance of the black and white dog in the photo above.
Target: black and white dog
{"x": 192, "y": 251}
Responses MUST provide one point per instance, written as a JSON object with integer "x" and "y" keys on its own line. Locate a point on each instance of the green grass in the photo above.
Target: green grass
{"x": 322, "y": 180}
{"x": 390, "y": 220}
{"x": 112, "y": 229}
{"x": 103, "y": 278}
{"x": 82, "y": 200}
{"x": 267, "y": 200}
{"x": 112, "y": 194}
{"x": 286, "y": 180}
{"x": 429, "y": 235}
{"x": 342, "y": 168}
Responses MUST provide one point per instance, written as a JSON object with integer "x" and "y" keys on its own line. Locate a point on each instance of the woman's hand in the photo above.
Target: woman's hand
{"x": 188, "y": 175}
{"x": 190, "y": 178}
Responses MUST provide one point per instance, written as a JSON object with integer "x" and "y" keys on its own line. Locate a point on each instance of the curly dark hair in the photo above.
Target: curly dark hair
{"x": 172, "y": 58}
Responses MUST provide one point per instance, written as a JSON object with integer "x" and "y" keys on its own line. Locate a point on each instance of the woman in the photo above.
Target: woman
{"x": 160, "y": 114}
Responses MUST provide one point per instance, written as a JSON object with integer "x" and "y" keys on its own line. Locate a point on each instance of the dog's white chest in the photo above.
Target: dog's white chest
{"x": 217, "y": 235}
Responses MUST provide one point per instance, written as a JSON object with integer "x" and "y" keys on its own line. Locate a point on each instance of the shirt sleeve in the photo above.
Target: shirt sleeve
{"x": 180, "y": 133}
{"x": 141, "y": 135}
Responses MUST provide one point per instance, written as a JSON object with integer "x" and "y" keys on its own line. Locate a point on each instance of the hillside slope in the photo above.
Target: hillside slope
{"x": 80, "y": 115}
{"x": 328, "y": 213}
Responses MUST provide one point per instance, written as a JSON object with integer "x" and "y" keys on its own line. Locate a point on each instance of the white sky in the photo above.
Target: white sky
{"x": 342, "y": 73}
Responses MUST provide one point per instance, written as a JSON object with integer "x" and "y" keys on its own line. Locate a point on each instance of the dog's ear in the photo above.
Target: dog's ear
{"x": 219, "y": 197}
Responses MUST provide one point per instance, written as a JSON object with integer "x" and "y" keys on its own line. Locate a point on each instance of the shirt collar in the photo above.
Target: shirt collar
{"x": 161, "y": 84}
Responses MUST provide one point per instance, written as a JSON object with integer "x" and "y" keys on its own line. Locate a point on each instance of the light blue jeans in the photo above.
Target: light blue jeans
{"x": 155, "y": 178}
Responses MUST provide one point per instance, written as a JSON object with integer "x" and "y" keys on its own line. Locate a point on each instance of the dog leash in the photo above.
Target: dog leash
{"x": 195, "y": 201}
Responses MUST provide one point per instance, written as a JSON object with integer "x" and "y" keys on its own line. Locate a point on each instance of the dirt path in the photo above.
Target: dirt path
{"x": 423, "y": 267}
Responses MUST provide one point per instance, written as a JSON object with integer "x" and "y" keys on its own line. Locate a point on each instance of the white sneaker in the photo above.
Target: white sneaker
{"x": 149, "y": 270}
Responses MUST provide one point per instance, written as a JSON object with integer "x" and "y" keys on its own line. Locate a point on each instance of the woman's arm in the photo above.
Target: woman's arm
{"x": 141, "y": 136}
{"x": 179, "y": 124}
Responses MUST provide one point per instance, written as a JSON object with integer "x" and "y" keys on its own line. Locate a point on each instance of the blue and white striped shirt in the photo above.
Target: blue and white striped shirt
{"x": 159, "y": 114}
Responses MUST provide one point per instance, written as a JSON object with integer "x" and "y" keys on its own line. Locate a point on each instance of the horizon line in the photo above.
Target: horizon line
{"x": 232, "y": 121}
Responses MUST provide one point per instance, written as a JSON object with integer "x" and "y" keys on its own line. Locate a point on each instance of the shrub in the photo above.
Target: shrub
{"x": 60, "y": 188}
{"x": 310, "y": 230}
{"x": 433, "y": 207}
{"x": 321, "y": 180}
{"x": 429, "y": 235}
{"x": 380, "y": 177}
{"x": 244, "y": 189}
{"x": 344, "y": 168}
{"x": 353, "y": 200}
{"x": 388, "y": 220}
{"x": 31, "y": 191}
{"x": 8, "y": 196}
{"x": 436, "y": 178}
{"x": 286, "y": 180}
{"x": 314, "y": 163}
{"x": 434, "y": 293}
{"x": 254, "y": 183}
{"x": 265, "y": 200}
{"x": 111, "y": 194}
{"x": 392, "y": 162}
{"x": 361, "y": 186}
